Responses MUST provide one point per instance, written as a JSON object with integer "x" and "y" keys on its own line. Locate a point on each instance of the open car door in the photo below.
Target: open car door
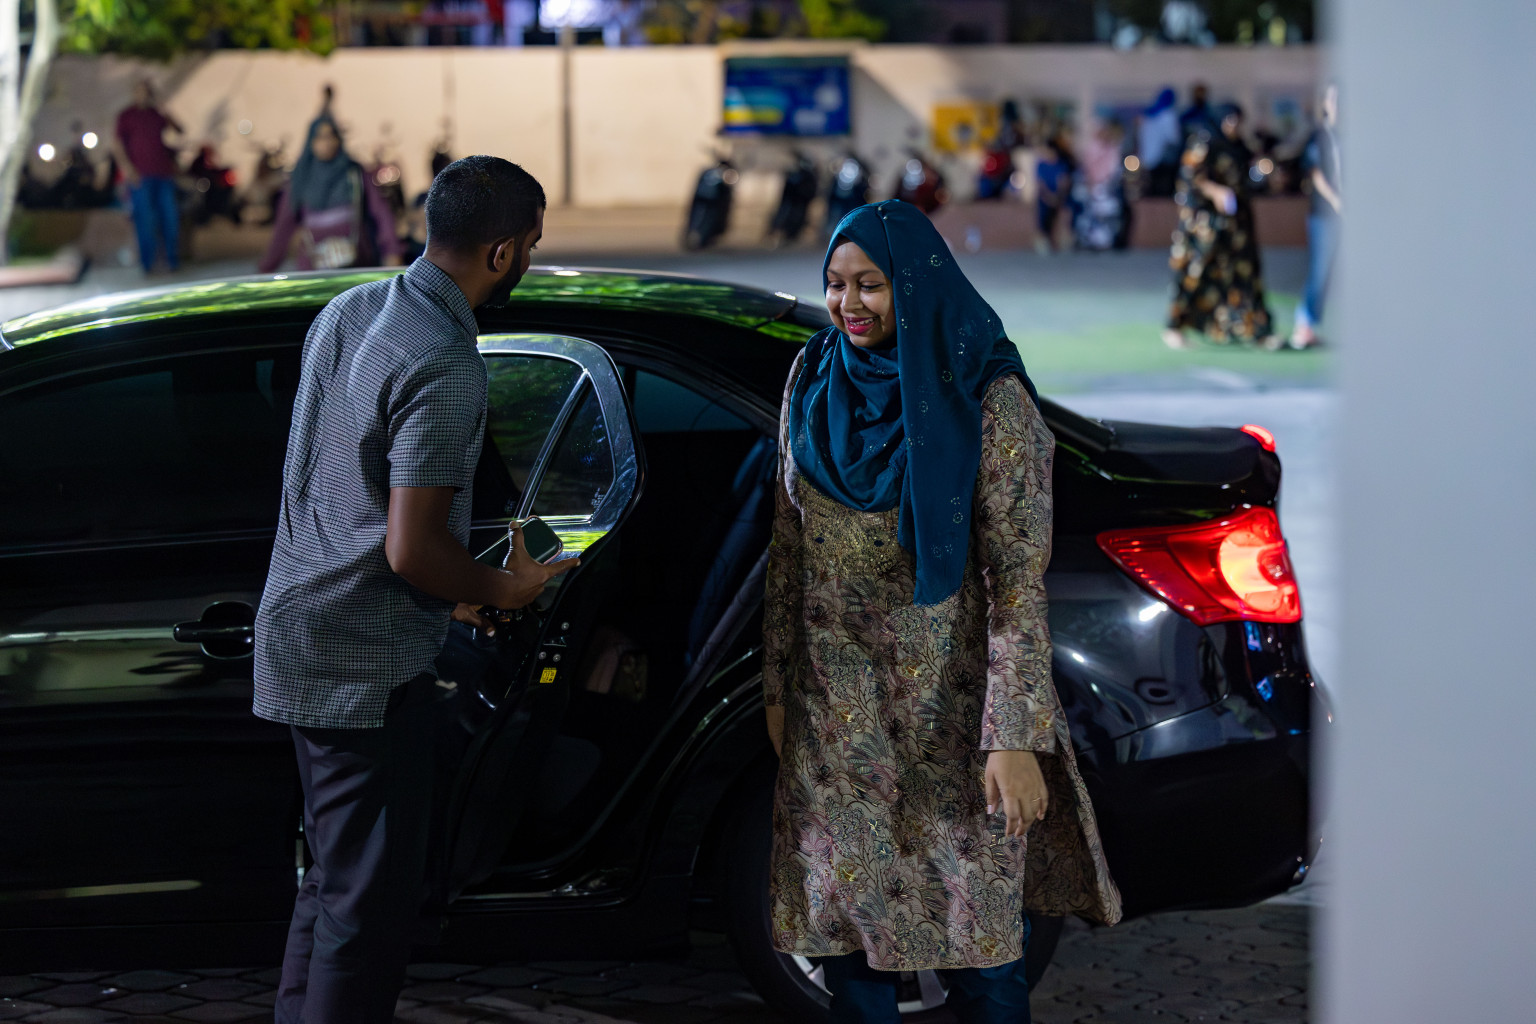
{"x": 560, "y": 445}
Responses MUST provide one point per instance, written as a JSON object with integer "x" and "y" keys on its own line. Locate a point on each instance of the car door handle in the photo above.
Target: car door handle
{"x": 226, "y": 631}
{"x": 199, "y": 633}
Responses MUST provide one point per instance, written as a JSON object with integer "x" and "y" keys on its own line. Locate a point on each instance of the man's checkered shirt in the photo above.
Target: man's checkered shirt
{"x": 392, "y": 394}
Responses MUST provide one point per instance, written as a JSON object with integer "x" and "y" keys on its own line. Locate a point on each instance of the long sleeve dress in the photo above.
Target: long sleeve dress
{"x": 1218, "y": 282}
{"x": 881, "y": 838}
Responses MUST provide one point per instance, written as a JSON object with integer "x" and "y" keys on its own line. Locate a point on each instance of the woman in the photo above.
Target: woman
{"x": 1101, "y": 221}
{"x": 908, "y": 663}
{"x": 1218, "y": 287}
{"x": 341, "y": 219}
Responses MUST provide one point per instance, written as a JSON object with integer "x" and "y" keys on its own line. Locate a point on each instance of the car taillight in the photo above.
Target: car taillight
{"x": 1264, "y": 437}
{"x": 1222, "y": 570}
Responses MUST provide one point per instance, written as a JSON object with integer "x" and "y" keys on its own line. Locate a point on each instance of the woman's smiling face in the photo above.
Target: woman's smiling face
{"x": 859, "y": 298}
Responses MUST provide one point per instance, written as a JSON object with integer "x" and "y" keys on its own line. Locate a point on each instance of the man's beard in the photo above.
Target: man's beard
{"x": 502, "y": 293}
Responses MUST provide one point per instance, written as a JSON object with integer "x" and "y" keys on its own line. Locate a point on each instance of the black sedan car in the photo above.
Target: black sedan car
{"x": 606, "y": 770}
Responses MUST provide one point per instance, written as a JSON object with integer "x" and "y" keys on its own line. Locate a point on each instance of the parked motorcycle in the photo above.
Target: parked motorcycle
{"x": 261, "y": 197}
{"x": 921, "y": 184}
{"x": 710, "y": 213}
{"x": 849, "y": 190}
{"x": 213, "y": 189}
{"x": 800, "y": 188}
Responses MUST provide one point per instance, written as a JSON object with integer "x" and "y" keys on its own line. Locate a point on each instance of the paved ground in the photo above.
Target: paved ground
{"x": 1247, "y": 966}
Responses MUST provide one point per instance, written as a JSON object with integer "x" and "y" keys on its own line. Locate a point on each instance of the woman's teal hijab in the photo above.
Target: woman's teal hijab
{"x": 881, "y": 428}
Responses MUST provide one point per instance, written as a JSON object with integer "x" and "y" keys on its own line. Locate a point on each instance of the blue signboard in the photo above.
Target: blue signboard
{"x": 787, "y": 96}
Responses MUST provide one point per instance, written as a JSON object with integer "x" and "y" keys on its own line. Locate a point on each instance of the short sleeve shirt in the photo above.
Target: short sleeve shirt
{"x": 1323, "y": 154}
{"x": 142, "y": 131}
{"x": 392, "y": 393}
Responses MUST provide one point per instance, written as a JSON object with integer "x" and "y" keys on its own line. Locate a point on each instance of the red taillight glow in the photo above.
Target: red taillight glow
{"x": 1223, "y": 570}
{"x": 1265, "y": 438}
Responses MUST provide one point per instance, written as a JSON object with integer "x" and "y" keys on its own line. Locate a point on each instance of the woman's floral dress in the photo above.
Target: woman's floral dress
{"x": 881, "y": 838}
{"x": 1218, "y": 285}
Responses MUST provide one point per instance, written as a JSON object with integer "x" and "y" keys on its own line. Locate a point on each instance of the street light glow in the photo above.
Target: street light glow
{"x": 46, "y": 151}
{"x": 89, "y": 140}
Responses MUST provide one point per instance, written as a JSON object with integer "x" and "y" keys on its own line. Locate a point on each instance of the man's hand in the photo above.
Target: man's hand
{"x": 419, "y": 547}
{"x": 470, "y": 616}
{"x": 776, "y": 727}
{"x": 1016, "y": 787}
{"x": 527, "y": 576}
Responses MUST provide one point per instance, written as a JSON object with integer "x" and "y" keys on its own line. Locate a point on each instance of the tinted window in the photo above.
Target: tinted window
{"x": 665, "y": 406}
{"x": 581, "y": 470}
{"x": 525, "y": 395}
{"x": 182, "y": 445}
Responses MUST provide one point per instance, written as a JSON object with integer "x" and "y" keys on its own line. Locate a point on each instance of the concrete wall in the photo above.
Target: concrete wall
{"x": 644, "y": 120}
{"x": 1430, "y": 913}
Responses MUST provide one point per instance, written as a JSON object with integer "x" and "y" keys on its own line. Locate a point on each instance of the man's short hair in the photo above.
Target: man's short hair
{"x": 479, "y": 200}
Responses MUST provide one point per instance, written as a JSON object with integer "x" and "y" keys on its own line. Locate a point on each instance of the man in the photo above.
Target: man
{"x": 1160, "y": 144}
{"x": 1323, "y": 170}
{"x": 368, "y": 566}
{"x": 1199, "y": 116}
{"x": 150, "y": 167}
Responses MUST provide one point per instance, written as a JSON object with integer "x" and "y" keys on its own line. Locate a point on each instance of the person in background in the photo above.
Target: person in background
{"x": 997, "y": 163}
{"x": 1199, "y": 116}
{"x": 1217, "y": 279}
{"x": 332, "y": 204}
{"x": 1101, "y": 221}
{"x": 1053, "y": 176}
{"x": 1323, "y": 172}
{"x": 150, "y": 168}
{"x": 1159, "y": 144}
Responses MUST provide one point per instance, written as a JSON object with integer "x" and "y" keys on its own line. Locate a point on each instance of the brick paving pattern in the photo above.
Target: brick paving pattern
{"x": 1247, "y": 966}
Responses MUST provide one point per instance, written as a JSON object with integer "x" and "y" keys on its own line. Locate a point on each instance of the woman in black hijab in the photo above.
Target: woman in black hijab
{"x": 340, "y": 218}
{"x": 1218, "y": 283}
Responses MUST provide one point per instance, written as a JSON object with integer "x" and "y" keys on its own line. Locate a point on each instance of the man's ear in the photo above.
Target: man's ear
{"x": 502, "y": 255}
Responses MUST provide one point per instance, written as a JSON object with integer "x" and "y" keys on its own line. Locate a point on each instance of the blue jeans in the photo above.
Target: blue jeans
{"x": 1322, "y": 246}
{"x": 978, "y": 995}
{"x": 156, "y": 218}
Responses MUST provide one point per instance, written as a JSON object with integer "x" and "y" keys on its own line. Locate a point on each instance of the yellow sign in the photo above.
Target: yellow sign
{"x": 547, "y": 676}
{"x": 963, "y": 126}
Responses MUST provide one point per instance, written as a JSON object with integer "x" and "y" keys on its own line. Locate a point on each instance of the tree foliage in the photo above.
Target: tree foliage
{"x": 840, "y": 19}
{"x": 161, "y": 29}
{"x": 711, "y": 21}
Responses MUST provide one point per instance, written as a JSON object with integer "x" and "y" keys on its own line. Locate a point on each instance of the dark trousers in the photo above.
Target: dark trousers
{"x": 978, "y": 995}
{"x": 367, "y": 818}
{"x": 156, "y": 218}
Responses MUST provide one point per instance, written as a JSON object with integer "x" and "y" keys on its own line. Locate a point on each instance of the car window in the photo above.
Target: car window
{"x": 524, "y": 397}
{"x": 580, "y": 471}
{"x": 182, "y": 445}
{"x": 663, "y": 406}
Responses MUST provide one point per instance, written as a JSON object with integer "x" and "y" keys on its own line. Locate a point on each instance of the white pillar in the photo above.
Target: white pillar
{"x": 1432, "y": 835}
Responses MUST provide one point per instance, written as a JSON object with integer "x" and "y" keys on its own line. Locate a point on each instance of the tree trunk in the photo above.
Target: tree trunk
{"x": 21, "y": 100}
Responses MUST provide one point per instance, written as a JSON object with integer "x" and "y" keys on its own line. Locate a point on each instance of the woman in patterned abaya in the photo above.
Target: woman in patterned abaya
{"x": 927, "y": 790}
{"x": 1218, "y": 287}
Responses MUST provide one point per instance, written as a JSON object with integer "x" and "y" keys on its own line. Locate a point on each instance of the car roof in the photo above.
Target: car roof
{"x": 306, "y": 293}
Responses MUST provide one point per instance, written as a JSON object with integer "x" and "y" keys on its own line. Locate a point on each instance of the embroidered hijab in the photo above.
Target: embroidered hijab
{"x": 878, "y": 429}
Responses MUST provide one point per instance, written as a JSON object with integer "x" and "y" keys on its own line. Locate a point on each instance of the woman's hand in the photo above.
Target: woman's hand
{"x": 1016, "y": 787}
{"x": 776, "y": 727}
{"x": 1222, "y": 197}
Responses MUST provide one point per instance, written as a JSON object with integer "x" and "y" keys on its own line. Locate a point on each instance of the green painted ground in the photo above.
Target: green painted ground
{"x": 1097, "y": 355}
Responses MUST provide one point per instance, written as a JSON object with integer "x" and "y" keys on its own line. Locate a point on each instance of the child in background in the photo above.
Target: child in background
{"x": 1053, "y": 174}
